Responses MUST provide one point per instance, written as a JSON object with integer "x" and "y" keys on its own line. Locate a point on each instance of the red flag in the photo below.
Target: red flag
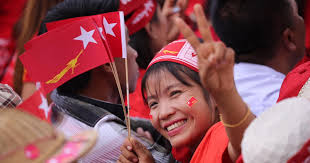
{"x": 114, "y": 30}
{"x": 98, "y": 20}
{"x": 37, "y": 105}
{"x": 191, "y": 101}
{"x": 114, "y": 26}
{"x": 61, "y": 54}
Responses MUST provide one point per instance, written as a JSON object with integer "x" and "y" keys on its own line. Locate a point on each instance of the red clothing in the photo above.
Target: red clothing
{"x": 213, "y": 146}
{"x": 10, "y": 11}
{"x": 240, "y": 159}
{"x": 294, "y": 81}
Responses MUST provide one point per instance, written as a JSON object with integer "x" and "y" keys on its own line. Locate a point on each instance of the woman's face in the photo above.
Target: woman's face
{"x": 172, "y": 116}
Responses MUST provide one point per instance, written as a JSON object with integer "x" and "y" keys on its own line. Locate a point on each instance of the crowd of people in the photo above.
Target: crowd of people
{"x": 124, "y": 81}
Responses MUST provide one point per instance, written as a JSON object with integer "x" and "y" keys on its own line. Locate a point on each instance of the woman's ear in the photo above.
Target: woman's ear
{"x": 150, "y": 30}
{"x": 289, "y": 39}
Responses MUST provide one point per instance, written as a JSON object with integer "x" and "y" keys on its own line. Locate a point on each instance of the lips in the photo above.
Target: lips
{"x": 174, "y": 127}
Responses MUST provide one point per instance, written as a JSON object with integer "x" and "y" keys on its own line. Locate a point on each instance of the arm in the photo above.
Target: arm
{"x": 216, "y": 62}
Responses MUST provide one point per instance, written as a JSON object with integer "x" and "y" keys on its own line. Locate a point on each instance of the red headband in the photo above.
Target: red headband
{"x": 179, "y": 51}
{"x": 142, "y": 12}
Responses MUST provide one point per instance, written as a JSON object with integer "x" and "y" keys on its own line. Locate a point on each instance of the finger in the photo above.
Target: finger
{"x": 220, "y": 50}
{"x": 128, "y": 154}
{"x": 205, "y": 51}
{"x": 168, "y": 4}
{"x": 230, "y": 55}
{"x": 123, "y": 159}
{"x": 182, "y": 4}
{"x": 187, "y": 33}
{"x": 149, "y": 136}
{"x": 140, "y": 131}
{"x": 127, "y": 144}
{"x": 203, "y": 23}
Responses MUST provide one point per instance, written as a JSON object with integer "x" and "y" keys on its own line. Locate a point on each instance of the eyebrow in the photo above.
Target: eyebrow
{"x": 165, "y": 90}
{"x": 172, "y": 86}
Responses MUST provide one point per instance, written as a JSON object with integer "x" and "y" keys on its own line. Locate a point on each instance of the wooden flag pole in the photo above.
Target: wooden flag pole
{"x": 127, "y": 94}
{"x": 115, "y": 74}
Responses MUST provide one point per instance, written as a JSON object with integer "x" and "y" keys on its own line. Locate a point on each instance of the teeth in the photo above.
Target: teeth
{"x": 175, "y": 125}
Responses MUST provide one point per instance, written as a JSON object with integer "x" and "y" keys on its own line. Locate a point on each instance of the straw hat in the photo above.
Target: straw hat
{"x": 25, "y": 138}
{"x": 279, "y": 133}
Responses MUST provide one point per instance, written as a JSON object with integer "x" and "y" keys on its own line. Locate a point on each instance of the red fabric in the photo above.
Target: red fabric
{"x": 182, "y": 154}
{"x": 240, "y": 159}
{"x": 303, "y": 155}
{"x": 190, "y": 7}
{"x": 26, "y": 77}
{"x": 64, "y": 55}
{"x": 10, "y": 11}
{"x": 294, "y": 81}
{"x": 213, "y": 145}
{"x": 37, "y": 105}
{"x": 128, "y": 6}
{"x": 113, "y": 33}
{"x": 137, "y": 106}
{"x": 141, "y": 16}
{"x": 9, "y": 72}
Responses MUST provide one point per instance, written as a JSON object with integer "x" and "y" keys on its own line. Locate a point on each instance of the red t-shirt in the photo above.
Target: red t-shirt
{"x": 213, "y": 146}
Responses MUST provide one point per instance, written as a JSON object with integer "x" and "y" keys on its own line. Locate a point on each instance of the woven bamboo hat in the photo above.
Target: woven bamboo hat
{"x": 25, "y": 138}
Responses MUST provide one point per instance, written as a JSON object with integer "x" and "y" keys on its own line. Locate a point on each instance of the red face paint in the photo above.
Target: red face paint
{"x": 191, "y": 101}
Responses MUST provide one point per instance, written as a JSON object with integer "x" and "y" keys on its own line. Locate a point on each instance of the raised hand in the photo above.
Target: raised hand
{"x": 171, "y": 11}
{"x": 215, "y": 60}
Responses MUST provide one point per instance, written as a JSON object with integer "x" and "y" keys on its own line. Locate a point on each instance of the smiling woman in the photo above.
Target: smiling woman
{"x": 168, "y": 100}
{"x": 175, "y": 115}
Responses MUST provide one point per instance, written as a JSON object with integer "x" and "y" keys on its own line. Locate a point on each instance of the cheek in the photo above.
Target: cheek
{"x": 154, "y": 120}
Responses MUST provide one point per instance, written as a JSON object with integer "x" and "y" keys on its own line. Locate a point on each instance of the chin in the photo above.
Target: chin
{"x": 180, "y": 141}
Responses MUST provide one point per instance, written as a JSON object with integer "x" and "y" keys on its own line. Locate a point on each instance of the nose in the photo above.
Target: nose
{"x": 132, "y": 51}
{"x": 166, "y": 111}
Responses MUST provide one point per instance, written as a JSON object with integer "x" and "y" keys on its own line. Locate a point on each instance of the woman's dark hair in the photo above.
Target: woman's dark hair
{"x": 141, "y": 42}
{"x": 71, "y": 9}
{"x": 178, "y": 71}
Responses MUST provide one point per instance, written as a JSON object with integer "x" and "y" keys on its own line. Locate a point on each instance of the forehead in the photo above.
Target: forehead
{"x": 159, "y": 80}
